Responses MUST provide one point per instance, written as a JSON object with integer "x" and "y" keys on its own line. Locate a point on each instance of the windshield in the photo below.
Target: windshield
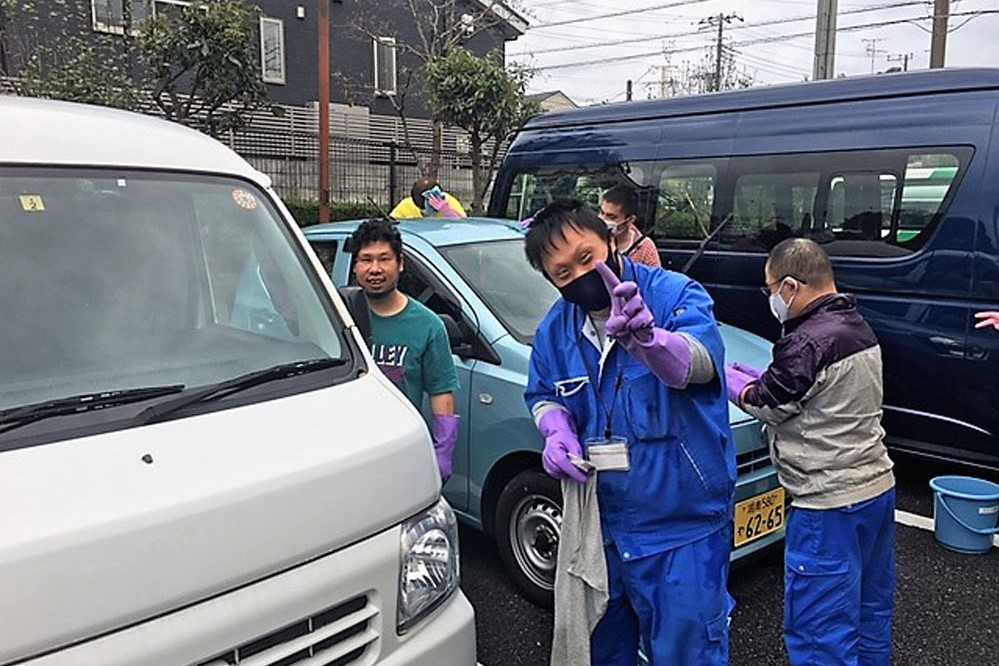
{"x": 115, "y": 280}
{"x": 499, "y": 273}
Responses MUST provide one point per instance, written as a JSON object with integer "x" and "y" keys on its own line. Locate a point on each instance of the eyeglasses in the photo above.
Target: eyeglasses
{"x": 766, "y": 290}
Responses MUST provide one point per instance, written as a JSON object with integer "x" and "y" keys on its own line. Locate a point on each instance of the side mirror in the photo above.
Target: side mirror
{"x": 459, "y": 344}
{"x": 357, "y": 304}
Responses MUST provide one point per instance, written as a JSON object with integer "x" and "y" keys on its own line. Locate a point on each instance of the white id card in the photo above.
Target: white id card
{"x": 608, "y": 455}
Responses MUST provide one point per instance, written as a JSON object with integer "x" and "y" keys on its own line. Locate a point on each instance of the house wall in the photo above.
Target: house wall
{"x": 351, "y": 53}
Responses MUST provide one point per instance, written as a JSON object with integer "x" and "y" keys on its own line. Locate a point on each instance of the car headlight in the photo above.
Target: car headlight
{"x": 428, "y": 564}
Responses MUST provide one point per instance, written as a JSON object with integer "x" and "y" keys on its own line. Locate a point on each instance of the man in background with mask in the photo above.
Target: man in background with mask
{"x": 820, "y": 399}
{"x": 619, "y": 210}
{"x": 624, "y": 373}
{"x": 409, "y": 342}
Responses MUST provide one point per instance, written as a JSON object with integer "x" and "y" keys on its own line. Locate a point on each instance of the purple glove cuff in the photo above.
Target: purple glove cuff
{"x": 748, "y": 370}
{"x": 556, "y": 421}
{"x": 666, "y": 354}
{"x": 445, "y": 439}
{"x": 736, "y": 382}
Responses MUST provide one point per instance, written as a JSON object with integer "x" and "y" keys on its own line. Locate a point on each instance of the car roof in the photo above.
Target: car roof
{"x": 814, "y": 92}
{"x": 439, "y": 233}
{"x": 47, "y": 132}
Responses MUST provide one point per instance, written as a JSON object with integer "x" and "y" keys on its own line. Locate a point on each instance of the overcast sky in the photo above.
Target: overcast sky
{"x": 772, "y": 59}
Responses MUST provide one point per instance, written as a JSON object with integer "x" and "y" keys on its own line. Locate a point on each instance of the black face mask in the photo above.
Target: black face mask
{"x": 588, "y": 291}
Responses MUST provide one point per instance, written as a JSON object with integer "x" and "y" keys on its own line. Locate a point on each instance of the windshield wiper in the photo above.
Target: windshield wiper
{"x": 214, "y": 391}
{"x": 76, "y": 404}
{"x": 704, "y": 244}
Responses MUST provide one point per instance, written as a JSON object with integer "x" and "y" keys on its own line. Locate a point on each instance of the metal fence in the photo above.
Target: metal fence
{"x": 383, "y": 171}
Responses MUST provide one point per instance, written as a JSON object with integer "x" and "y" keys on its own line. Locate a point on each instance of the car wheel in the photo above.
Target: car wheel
{"x": 528, "y": 527}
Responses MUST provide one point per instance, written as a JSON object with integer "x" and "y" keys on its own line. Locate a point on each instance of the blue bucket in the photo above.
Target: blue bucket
{"x": 965, "y": 512}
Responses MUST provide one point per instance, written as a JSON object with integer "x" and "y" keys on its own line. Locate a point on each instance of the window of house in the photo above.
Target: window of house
{"x": 272, "y": 56}
{"x": 114, "y": 15}
{"x": 686, "y": 196}
{"x": 385, "y": 70}
{"x": 169, "y": 8}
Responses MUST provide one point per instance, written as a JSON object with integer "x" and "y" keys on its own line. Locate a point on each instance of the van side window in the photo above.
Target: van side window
{"x": 685, "y": 198}
{"x": 928, "y": 181}
{"x": 534, "y": 190}
{"x": 769, "y": 208}
{"x": 873, "y": 203}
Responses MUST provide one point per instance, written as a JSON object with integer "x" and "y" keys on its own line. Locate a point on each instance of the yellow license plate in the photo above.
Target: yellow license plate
{"x": 759, "y": 516}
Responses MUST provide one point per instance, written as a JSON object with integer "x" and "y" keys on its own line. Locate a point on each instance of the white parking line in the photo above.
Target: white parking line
{"x": 924, "y": 523}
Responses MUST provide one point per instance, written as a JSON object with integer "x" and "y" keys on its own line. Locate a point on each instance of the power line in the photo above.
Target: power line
{"x": 627, "y": 12}
{"x": 781, "y": 21}
{"x": 800, "y": 35}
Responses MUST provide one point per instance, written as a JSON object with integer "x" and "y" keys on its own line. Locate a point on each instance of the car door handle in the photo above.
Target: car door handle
{"x": 485, "y": 399}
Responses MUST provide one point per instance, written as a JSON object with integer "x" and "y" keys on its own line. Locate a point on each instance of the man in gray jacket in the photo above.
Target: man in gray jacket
{"x": 820, "y": 399}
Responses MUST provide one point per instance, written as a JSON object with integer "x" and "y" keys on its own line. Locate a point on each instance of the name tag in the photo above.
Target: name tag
{"x": 609, "y": 457}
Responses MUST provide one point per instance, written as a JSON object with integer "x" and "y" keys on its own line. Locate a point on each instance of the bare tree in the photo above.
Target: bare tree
{"x": 434, "y": 29}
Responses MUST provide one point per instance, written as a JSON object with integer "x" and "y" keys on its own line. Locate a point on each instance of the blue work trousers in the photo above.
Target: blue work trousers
{"x": 676, "y": 601}
{"x": 839, "y": 584}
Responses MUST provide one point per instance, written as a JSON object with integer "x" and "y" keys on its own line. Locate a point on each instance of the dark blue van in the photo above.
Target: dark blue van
{"x": 897, "y": 176}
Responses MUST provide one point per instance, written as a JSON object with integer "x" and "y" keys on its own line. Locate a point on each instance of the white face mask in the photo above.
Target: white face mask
{"x": 780, "y": 309}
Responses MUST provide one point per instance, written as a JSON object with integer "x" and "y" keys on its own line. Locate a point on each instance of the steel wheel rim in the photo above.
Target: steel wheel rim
{"x": 534, "y": 530}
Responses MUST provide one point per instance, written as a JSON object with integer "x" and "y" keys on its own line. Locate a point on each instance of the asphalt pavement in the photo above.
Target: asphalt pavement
{"x": 947, "y": 604}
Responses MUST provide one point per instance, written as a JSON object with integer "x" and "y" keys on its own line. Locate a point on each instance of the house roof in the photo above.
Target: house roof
{"x": 505, "y": 12}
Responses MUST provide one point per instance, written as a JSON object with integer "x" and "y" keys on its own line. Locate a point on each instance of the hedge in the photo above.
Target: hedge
{"x": 306, "y": 213}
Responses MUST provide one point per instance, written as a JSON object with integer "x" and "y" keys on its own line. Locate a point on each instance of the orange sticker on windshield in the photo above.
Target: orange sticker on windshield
{"x": 32, "y": 203}
{"x": 244, "y": 199}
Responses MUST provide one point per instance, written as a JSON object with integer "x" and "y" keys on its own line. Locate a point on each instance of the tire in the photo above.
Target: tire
{"x": 527, "y": 530}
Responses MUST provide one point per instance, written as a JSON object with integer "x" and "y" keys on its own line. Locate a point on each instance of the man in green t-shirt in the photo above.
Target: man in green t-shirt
{"x": 409, "y": 342}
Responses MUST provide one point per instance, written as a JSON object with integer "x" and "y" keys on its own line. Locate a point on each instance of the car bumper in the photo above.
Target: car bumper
{"x": 208, "y": 632}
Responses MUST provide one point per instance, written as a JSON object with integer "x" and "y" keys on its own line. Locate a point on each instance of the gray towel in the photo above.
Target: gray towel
{"x": 581, "y": 576}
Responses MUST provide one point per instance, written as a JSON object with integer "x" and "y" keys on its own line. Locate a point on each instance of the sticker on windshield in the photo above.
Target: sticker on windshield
{"x": 244, "y": 199}
{"x": 32, "y": 203}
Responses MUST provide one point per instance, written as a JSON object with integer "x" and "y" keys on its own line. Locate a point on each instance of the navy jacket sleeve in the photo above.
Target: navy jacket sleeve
{"x": 778, "y": 394}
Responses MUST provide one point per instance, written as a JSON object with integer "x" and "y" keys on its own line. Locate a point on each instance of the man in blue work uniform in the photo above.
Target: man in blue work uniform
{"x": 629, "y": 362}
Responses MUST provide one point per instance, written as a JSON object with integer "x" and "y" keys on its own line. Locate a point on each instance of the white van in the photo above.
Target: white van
{"x": 196, "y": 464}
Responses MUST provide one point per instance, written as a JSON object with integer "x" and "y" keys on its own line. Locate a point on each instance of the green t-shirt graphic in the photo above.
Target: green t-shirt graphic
{"x": 413, "y": 350}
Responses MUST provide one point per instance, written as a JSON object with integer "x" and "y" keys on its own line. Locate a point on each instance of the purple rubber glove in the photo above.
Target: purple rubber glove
{"x": 437, "y": 201}
{"x": 560, "y": 442}
{"x": 445, "y": 439}
{"x": 755, "y": 373}
{"x": 736, "y": 381}
{"x": 666, "y": 354}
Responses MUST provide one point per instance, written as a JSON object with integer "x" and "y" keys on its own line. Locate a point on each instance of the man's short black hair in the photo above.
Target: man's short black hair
{"x": 550, "y": 222}
{"x": 802, "y": 259}
{"x": 376, "y": 230}
{"x": 625, "y": 197}
{"x": 421, "y": 185}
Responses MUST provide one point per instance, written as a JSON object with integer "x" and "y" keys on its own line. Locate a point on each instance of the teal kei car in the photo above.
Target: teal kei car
{"x": 474, "y": 275}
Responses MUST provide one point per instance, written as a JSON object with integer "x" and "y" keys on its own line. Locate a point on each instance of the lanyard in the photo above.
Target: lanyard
{"x": 595, "y": 385}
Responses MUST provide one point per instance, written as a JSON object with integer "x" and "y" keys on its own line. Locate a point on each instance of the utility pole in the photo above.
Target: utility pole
{"x": 628, "y": 91}
{"x": 873, "y": 50}
{"x": 903, "y": 58}
{"x": 938, "y": 46}
{"x": 721, "y": 20}
{"x": 825, "y": 40}
{"x": 324, "y": 110}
